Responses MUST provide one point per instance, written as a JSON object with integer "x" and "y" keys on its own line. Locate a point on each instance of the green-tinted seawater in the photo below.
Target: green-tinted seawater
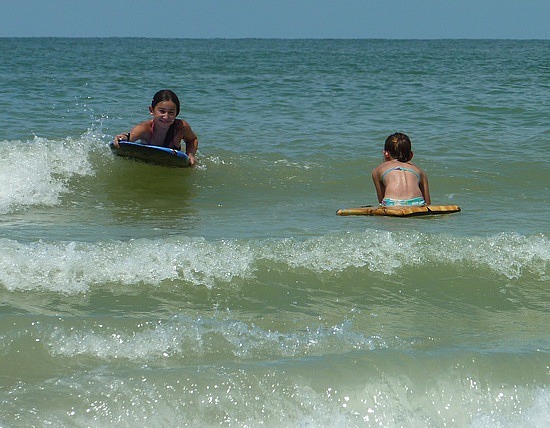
{"x": 231, "y": 294}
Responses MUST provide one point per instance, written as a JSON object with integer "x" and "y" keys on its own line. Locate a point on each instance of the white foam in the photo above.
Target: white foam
{"x": 189, "y": 338}
{"x": 36, "y": 173}
{"x": 508, "y": 254}
{"x": 72, "y": 267}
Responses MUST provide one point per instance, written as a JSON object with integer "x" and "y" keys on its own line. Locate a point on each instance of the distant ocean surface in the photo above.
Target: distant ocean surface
{"x": 231, "y": 294}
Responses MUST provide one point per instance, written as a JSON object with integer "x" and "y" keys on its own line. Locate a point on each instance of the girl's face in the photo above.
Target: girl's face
{"x": 164, "y": 113}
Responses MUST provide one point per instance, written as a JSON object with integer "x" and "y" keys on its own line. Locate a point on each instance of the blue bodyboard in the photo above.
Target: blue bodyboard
{"x": 156, "y": 155}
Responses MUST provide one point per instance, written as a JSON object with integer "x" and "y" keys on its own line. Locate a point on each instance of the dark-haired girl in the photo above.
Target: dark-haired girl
{"x": 397, "y": 181}
{"x": 164, "y": 129}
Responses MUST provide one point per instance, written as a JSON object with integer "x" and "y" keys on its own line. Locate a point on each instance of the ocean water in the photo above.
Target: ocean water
{"x": 231, "y": 294}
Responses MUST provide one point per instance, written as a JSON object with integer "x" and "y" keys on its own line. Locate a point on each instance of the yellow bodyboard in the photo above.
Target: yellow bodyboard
{"x": 400, "y": 211}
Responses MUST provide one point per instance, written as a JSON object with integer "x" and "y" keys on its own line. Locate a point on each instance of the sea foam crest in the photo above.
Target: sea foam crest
{"x": 199, "y": 338}
{"x": 74, "y": 267}
{"x": 36, "y": 173}
{"x": 508, "y": 254}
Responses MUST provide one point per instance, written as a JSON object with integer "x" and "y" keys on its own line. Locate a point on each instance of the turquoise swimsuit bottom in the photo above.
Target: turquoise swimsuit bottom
{"x": 414, "y": 202}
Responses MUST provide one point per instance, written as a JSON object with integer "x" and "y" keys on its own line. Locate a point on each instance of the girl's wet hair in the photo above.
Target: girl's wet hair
{"x": 399, "y": 147}
{"x": 166, "y": 95}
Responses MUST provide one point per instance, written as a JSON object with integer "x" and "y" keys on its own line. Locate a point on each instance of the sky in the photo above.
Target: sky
{"x": 362, "y": 19}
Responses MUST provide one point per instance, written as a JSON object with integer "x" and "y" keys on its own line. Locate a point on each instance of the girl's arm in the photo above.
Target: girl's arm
{"x": 191, "y": 142}
{"x": 136, "y": 133}
{"x": 425, "y": 188}
{"x": 378, "y": 185}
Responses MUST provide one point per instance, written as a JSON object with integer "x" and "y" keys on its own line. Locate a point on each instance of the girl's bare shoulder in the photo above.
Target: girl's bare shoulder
{"x": 416, "y": 168}
{"x": 182, "y": 123}
{"x": 145, "y": 125}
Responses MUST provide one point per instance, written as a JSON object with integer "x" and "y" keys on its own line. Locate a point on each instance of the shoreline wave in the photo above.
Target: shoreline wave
{"x": 76, "y": 267}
